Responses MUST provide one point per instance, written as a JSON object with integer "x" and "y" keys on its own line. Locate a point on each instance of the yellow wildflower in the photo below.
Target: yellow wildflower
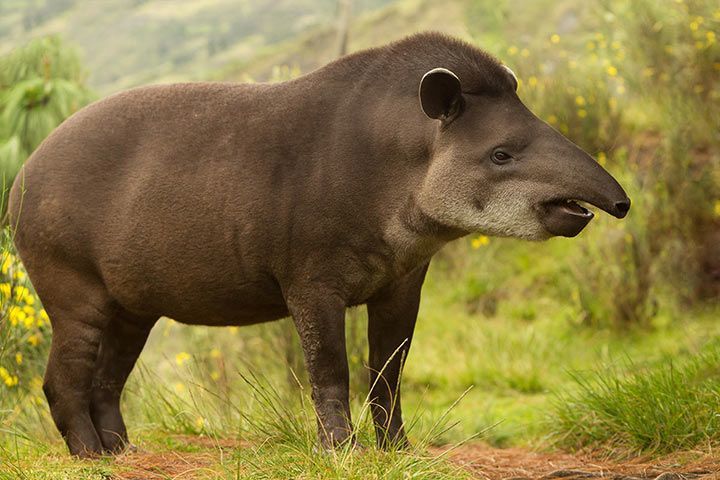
{"x": 179, "y": 387}
{"x": 21, "y": 292}
{"x": 9, "y": 380}
{"x": 579, "y": 100}
{"x": 182, "y": 357}
{"x": 552, "y": 119}
{"x": 30, "y": 300}
{"x": 612, "y": 71}
{"x": 215, "y": 375}
{"x": 199, "y": 423}
{"x": 7, "y": 263}
{"x": 694, "y": 26}
{"x": 555, "y": 38}
{"x": 19, "y": 275}
{"x": 717, "y": 208}
{"x": 215, "y": 353}
{"x": 710, "y": 37}
{"x": 524, "y": 53}
{"x": 18, "y": 358}
{"x": 33, "y": 340}
{"x": 602, "y": 158}
{"x": 17, "y": 316}
{"x": 513, "y": 50}
{"x": 480, "y": 241}
{"x": 620, "y": 89}
{"x": 29, "y": 321}
{"x": 5, "y": 290}
{"x": 532, "y": 81}
{"x": 699, "y": 45}
{"x": 582, "y": 113}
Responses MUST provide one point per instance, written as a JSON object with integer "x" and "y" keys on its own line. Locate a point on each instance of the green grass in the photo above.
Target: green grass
{"x": 233, "y": 387}
{"x": 658, "y": 408}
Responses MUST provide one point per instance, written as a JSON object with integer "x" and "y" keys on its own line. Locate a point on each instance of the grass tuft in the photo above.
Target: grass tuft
{"x": 668, "y": 406}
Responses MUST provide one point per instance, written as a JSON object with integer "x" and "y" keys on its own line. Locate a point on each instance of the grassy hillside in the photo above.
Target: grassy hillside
{"x": 130, "y": 42}
{"x": 315, "y": 47}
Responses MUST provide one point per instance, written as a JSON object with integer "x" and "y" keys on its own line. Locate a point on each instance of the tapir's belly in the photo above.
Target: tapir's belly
{"x": 202, "y": 301}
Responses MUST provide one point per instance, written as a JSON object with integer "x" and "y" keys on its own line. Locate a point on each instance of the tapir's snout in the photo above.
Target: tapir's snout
{"x": 577, "y": 177}
{"x": 622, "y": 208}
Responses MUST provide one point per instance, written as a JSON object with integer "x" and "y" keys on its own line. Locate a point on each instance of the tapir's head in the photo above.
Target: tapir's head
{"x": 498, "y": 169}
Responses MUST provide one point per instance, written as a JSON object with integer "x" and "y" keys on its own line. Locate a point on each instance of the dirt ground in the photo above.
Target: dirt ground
{"x": 483, "y": 461}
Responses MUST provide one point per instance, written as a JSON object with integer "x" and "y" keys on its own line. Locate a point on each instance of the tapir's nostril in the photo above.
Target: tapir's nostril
{"x": 621, "y": 208}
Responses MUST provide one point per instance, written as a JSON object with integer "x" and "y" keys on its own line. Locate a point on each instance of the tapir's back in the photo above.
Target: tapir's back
{"x": 140, "y": 189}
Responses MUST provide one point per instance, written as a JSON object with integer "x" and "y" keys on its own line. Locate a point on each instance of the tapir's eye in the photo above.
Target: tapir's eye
{"x": 499, "y": 157}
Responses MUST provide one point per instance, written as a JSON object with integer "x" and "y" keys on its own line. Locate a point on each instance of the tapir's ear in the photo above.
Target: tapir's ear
{"x": 512, "y": 76}
{"x": 441, "y": 94}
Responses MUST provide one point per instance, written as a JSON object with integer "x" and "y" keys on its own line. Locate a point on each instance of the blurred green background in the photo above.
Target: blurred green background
{"x": 607, "y": 341}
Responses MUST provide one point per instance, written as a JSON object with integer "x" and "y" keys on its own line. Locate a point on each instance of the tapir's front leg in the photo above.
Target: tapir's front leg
{"x": 391, "y": 321}
{"x": 319, "y": 317}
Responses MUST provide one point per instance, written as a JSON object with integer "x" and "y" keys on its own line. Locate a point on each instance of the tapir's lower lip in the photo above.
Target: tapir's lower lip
{"x": 564, "y": 217}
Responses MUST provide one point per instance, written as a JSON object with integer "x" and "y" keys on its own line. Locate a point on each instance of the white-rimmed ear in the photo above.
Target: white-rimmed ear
{"x": 512, "y": 76}
{"x": 441, "y": 94}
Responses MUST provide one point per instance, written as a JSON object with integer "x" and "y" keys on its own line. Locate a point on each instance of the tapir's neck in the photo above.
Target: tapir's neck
{"x": 416, "y": 237}
{"x": 373, "y": 138}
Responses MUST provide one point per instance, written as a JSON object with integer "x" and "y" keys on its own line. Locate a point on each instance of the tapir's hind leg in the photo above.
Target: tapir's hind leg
{"x": 87, "y": 339}
{"x": 120, "y": 347}
{"x": 77, "y": 330}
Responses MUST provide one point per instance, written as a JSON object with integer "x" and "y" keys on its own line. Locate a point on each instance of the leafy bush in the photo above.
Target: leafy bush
{"x": 41, "y": 84}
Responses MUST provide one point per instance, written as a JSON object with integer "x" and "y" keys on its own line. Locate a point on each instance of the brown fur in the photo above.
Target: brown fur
{"x": 229, "y": 204}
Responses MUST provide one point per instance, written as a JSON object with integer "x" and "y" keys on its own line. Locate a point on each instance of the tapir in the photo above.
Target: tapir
{"x": 235, "y": 204}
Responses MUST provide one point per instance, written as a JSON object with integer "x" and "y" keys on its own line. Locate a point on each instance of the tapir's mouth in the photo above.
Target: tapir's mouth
{"x": 564, "y": 217}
